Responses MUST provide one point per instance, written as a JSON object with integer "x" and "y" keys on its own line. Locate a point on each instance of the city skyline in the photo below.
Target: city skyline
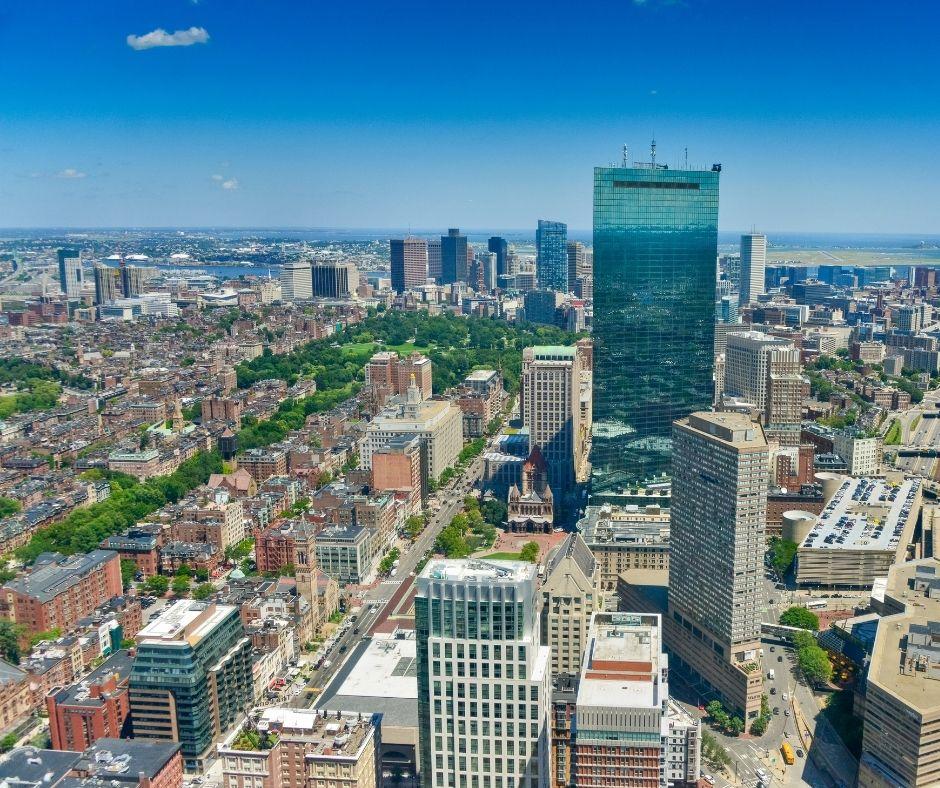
{"x": 242, "y": 127}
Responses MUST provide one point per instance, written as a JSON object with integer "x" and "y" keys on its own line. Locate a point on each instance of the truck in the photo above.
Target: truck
{"x": 770, "y": 675}
{"x": 393, "y": 573}
{"x": 787, "y": 752}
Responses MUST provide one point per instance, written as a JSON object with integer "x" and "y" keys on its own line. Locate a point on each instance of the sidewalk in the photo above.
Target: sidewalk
{"x": 826, "y": 744}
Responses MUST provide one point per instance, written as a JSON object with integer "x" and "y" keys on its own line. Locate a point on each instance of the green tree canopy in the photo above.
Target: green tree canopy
{"x": 800, "y": 617}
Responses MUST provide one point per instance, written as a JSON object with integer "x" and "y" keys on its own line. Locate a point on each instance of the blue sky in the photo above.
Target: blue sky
{"x": 825, "y": 115}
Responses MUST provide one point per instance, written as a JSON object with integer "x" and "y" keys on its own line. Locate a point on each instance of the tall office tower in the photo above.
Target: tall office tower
{"x": 569, "y": 598}
{"x": 487, "y": 262}
{"x": 70, "y": 272}
{"x": 901, "y": 744}
{"x": 334, "y": 279}
{"x": 453, "y": 257}
{"x": 655, "y": 246}
{"x": 500, "y": 248}
{"x": 107, "y": 284}
{"x": 483, "y": 677}
{"x": 765, "y": 371}
{"x": 434, "y": 259}
{"x": 575, "y": 264}
{"x": 551, "y": 255}
{"x": 191, "y": 678}
{"x": 296, "y": 281}
{"x": 753, "y": 265}
{"x": 409, "y": 257}
{"x": 133, "y": 280}
{"x": 549, "y": 390}
{"x": 629, "y": 731}
{"x": 718, "y": 516}
{"x": 728, "y": 309}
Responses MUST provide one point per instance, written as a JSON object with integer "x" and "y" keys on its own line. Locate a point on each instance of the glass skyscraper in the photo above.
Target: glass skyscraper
{"x": 655, "y": 259}
{"x": 551, "y": 250}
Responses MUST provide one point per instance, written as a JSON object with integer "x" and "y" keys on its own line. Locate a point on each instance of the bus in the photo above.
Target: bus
{"x": 787, "y": 751}
{"x": 817, "y": 604}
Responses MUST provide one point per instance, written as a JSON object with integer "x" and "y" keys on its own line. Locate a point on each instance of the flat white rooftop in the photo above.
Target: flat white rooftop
{"x": 865, "y": 514}
{"x": 460, "y": 570}
{"x": 174, "y": 622}
{"x": 387, "y": 668}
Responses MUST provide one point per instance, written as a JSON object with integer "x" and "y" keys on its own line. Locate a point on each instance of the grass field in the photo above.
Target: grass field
{"x": 503, "y": 556}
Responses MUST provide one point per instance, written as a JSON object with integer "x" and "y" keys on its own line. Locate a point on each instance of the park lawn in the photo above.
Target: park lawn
{"x": 503, "y": 556}
{"x": 354, "y": 348}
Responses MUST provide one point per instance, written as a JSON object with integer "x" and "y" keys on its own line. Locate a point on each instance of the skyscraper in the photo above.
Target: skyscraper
{"x": 629, "y": 732}
{"x": 133, "y": 280}
{"x": 107, "y": 284}
{"x": 191, "y": 678}
{"x": 334, "y": 278}
{"x": 718, "y": 516}
{"x": 409, "y": 263}
{"x": 551, "y": 255}
{"x": 549, "y": 389}
{"x": 500, "y": 248}
{"x": 483, "y": 677}
{"x": 70, "y": 272}
{"x": 753, "y": 265}
{"x": 453, "y": 257}
{"x": 569, "y": 598}
{"x": 576, "y": 263}
{"x": 655, "y": 247}
{"x": 434, "y": 259}
{"x": 296, "y": 282}
{"x": 765, "y": 371}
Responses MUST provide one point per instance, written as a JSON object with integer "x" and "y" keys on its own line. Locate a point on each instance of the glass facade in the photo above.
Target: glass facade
{"x": 551, "y": 249}
{"x": 655, "y": 261}
{"x": 453, "y": 257}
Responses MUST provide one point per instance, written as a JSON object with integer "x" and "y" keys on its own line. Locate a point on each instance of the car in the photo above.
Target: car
{"x": 786, "y": 697}
{"x": 773, "y": 690}
{"x": 799, "y": 753}
{"x": 780, "y": 658}
{"x": 786, "y": 712}
{"x": 776, "y": 710}
{"x": 773, "y": 649}
{"x": 342, "y": 649}
{"x": 709, "y": 779}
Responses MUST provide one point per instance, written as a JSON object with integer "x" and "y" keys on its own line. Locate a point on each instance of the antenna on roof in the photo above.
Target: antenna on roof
{"x": 653, "y": 151}
{"x": 625, "y": 159}
{"x": 686, "y": 157}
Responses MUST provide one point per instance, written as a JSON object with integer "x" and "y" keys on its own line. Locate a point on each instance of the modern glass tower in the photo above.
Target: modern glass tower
{"x": 655, "y": 259}
{"x": 551, "y": 249}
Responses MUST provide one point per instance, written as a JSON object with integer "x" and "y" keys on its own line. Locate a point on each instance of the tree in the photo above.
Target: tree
{"x": 736, "y": 725}
{"x": 529, "y": 552}
{"x": 8, "y": 742}
{"x": 9, "y": 506}
{"x": 203, "y": 591}
{"x": 800, "y": 617}
{"x": 782, "y": 553}
{"x": 156, "y": 585}
{"x": 494, "y": 511}
{"x": 759, "y": 726}
{"x": 714, "y": 708}
{"x": 10, "y": 642}
{"x": 180, "y": 585}
{"x": 184, "y": 571}
{"x": 814, "y": 663}
{"x": 201, "y": 575}
{"x": 414, "y": 526}
{"x": 128, "y": 572}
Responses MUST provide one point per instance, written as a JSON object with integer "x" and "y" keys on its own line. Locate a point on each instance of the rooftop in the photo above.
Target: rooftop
{"x": 333, "y": 734}
{"x": 625, "y": 524}
{"x": 865, "y": 514}
{"x": 124, "y": 760}
{"x": 185, "y": 619}
{"x": 622, "y": 661}
{"x": 28, "y": 767}
{"x": 78, "y": 694}
{"x": 464, "y": 570}
{"x": 734, "y": 428}
{"x": 58, "y": 574}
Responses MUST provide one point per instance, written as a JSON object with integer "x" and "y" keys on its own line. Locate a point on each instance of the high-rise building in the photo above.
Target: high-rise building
{"x": 488, "y": 264}
{"x": 550, "y": 408}
{"x": 453, "y": 257}
{"x": 576, "y": 264}
{"x": 70, "y": 272}
{"x": 483, "y": 676}
{"x": 569, "y": 598}
{"x": 901, "y": 744}
{"x": 409, "y": 263}
{"x": 655, "y": 247}
{"x": 728, "y": 310}
{"x": 434, "y": 259}
{"x": 192, "y": 677}
{"x": 753, "y": 265}
{"x": 334, "y": 278}
{"x": 718, "y": 515}
{"x": 296, "y": 282}
{"x": 500, "y": 248}
{"x": 551, "y": 255}
{"x": 765, "y": 371}
{"x": 133, "y": 280}
{"x": 108, "y": 285}
{"x": 540, "y": 306}
{"x": 629, "y": 731}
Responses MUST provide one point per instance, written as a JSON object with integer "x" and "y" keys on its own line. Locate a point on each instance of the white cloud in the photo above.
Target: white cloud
{"x": 70, "y": 173}
{"x": 160, "y": 38}
{"x": 231, "y": 184}
{"x": 218, "y": 177}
